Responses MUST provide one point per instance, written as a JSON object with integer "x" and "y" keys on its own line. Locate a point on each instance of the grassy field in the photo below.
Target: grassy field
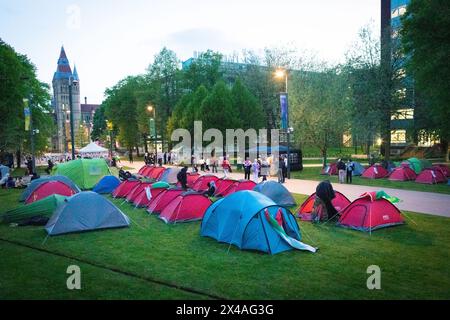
{"x": 314, "y": 174}
{"x": 152, "y": 260}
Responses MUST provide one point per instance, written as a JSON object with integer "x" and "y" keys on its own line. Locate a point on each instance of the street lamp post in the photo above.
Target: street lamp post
{"x": 72, "y": 82}
{"x": 29, "y": 103}
{"x": 153, "y": 109}
{"x": 109, "y": 124}
{"x": 283, "y": 74}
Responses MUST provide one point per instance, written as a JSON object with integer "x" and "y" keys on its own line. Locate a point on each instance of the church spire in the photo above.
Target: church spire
{"x": 63, "y": 70}
{"x": 75, "y": 73}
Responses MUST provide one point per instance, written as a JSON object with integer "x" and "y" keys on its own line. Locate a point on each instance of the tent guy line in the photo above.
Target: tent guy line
{"x": 122, "y": 272}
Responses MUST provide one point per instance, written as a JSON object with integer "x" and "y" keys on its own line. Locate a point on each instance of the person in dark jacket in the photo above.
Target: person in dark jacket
{"x": 182, "y": 177}
{"x": 50, "y": 166}
{"x": 211, "y": 189}
{"x": 324, "y": 195}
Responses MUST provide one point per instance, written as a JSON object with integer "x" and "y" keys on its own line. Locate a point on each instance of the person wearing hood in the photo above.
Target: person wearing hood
{"x": 182, "y": 177}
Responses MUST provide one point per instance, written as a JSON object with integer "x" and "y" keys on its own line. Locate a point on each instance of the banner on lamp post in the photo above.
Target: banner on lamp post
{"x": 284, "y": 110}
{"x": 27, "y": 113}
{"x": 152, "y": 128}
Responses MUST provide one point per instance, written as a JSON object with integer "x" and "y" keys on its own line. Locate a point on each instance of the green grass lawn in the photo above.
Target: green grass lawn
{"x": 152, "y": 260}
{"x": 314, "y": 174}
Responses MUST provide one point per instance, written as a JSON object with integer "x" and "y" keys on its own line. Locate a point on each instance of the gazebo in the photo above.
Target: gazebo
{"x": 93, "y": 150}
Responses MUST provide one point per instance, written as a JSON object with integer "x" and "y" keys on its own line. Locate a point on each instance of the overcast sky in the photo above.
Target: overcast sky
{"x": 110, "y": 39}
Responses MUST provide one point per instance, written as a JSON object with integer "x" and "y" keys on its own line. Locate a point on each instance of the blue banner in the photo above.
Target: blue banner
{"x": 284, "y": 110}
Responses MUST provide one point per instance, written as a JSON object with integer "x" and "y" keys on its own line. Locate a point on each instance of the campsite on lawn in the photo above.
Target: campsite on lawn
{"x": 139, "y": 256}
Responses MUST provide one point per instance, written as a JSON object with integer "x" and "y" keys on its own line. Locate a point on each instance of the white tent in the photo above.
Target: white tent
{"x": 93, "y": 149}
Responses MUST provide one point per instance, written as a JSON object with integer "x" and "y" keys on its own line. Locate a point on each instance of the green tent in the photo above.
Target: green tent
{"x": 86, "y": 173}
{"x": 44, "y": 207}
{"x": 425, "y": 163}
{"x": 415, "y": 164}
{"x": 160, "y": 185}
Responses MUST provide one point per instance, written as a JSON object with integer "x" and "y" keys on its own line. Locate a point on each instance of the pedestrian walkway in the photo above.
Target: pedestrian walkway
{"x": 422, "y": 202}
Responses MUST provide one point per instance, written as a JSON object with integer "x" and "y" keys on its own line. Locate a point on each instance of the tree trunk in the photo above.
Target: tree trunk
{"x": 324, "y": 157}
{"x": 137, "y": 151}
{"x": 145, "y": 143}
{"x": 18, "y": 158}
{"x": 368, "y": 151}
{"x": 444, "y": 148}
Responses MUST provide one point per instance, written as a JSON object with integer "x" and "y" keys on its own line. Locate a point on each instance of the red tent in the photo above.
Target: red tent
{"x": 188, "y": 206}
{"x": 368, "y": 213}
{"x": 330, "y": 169}
{"x": 142, "y": 169}
{"x": 136, "y": 191}
{"x": 402, "y": 173}
{"x": 159, "y": 202}
{"x": 431, "y": 176}
{"x": 375, "y": 172}
{"x": 141, "y": 200}
{"x": 124, "y": 188}
{"x": 49, "y": 188}
{"x": 191, "y": 179}
{"x": 223, "y": 184}
{"x": 201, "y": 184}
{"x": 444, "y": 168}
{"x": 147, "y": 171}
{"x": 156, "y": 173}
{"x": 238, "y": 186}
{"x": 339, "y": 202}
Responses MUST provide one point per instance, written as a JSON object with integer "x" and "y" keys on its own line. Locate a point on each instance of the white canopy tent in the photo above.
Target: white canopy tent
{"x": 93, "y": 150}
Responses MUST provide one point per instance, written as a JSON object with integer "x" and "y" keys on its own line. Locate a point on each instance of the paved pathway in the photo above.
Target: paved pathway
{"x": 415, "y": 201}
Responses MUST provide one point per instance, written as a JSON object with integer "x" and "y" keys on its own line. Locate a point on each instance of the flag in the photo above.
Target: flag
{"x": 148, "y": 193}
{"x": 27, "y": 113}
{"x": 294, "y": 243}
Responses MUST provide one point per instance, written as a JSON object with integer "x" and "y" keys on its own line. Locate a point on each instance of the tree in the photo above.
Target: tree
{"x": 427, "y": 61}
{"x": 99, "y": 124}
{"x": 250, "y": 111}
{"x": 218, "y": 110}
{"x": 193, "y": 110}
{"x": 204, "y": 70}
{"x": 18, "y": 81}
{"x": 320, "y": 108}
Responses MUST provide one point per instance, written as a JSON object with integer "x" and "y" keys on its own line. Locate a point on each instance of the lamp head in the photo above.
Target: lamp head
{"x": 150, "y": 108}
{"x": 280, "y": 73}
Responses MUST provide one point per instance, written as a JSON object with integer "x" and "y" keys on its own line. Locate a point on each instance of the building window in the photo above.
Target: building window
{"x": 398, "y": 136}
{"x": 403, "y": 114}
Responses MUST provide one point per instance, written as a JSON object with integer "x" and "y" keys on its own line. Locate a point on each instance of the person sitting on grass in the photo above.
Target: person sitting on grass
{"x": 323, "y": 209}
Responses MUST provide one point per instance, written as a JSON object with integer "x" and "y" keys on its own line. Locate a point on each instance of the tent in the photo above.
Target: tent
{"x": 188, "y": 206}
{"x": 143, "y": 198}
{"x": 36, "y": 183}
{"x": 156, "y": 173}
{"x": 444, "y": 168}
{"x": 86, "y": 173}
{"x": 159, "y": 202}
{"x": 425, "y": 163}
{"x": 414, "y": 164}
{"x": 83, "y": 212}
{"x": 191, "y": 178}
{"x": 138, "y": 188}
{"x": 222, "y": 184}
{"x": 124, "y": 188}
{"x": 49, "y": 188}
{"x": 93, "y": 150}
{"x": 4, "y": 174}
{"x": 238, "y": 186}
{"x": 431, "y": 176}
{"x": 330, "y": 169}
{"x": 375, "y": 172}
{"x": 277, "y": 192}
{"x": 146, "y": 171}
{"x": 170, "y": 175}
{"x": 402, "y": 173}
{"x": 201, "y": 184}
{"x": 339, "y": 202}
{"x": 358, "y": 169}
{"x": 368, "y": 213}
{"x": 246, "y": 219}
{"x": 44, "y": 207}
{"x": 107, "y": 184}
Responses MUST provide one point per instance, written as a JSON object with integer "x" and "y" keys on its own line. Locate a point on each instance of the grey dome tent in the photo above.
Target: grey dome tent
{"x": 85, "y": 211}
{"x": 170, "y": 175}
{"x": 358, "y": 169}
{"x": 276, "y": 192}
{"x": 36, "y": 183}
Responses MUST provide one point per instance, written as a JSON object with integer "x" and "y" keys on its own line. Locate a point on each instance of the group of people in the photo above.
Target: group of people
{"x": 345, "y": 170}
{"x": 160, "y": 158}
{"x": 182, "y": 179}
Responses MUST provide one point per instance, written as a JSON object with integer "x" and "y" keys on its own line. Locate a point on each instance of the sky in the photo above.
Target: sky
{"x": 111, "y": 39}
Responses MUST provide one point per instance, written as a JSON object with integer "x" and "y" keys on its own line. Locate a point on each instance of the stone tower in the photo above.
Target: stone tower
{"x": 61, "y": 80}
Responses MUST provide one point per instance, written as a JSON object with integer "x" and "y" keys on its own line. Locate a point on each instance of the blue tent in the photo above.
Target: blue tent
{"x": 358, "y": 169}
{"x": 277, "y": 192}
{"x": 85, "y": 211}
{"x": 36, "y": 183}
{"x": 107, "y": 184}
{"x": 240, "y": 219}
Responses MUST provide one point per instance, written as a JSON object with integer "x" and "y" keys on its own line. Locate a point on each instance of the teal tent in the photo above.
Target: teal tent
{"x": 252, "y": 221}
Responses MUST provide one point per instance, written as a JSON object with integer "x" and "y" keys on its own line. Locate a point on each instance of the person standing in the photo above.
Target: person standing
{"x": 165, "y": 157}
{"x": 255, "y": 170}
{"x": 214, "y": 164}
{"x": 350, "y": 168}
{"x": 264, "y": 169}
{"x": 341, "y": 170}
{"x": 182, "y": 177}
{"x": 281, "y": 171}
{"x": 226, "y": 166}
{"x": 247, "y": 168}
